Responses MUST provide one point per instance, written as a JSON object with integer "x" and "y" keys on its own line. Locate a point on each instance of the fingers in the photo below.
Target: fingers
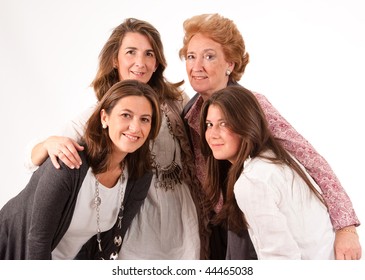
{"x": 64, "y": 149}
{"x": 78, "y": 146}
{"x": 70, "y": 156}
{"x": 54, "y": 161}
{"x": 353, "y": 254}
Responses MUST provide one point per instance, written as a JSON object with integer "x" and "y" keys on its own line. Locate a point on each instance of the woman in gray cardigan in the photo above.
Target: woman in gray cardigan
{"x": 84, "y": 213}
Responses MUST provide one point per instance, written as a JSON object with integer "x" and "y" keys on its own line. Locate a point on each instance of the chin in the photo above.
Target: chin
{"x": 198, "y": 87}
{"x": 219, "y": 157}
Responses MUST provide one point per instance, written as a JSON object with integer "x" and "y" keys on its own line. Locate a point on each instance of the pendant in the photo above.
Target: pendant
{"x": 120, "y": 222}
{"x": 114, "y": 256}
{"x": 97, "y": 201}
{"x": 118, "y": 240}
{"x": 169, "y": 176}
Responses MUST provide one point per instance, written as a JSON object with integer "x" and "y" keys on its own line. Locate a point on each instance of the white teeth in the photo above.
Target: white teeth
{"x": 134, "y": 138}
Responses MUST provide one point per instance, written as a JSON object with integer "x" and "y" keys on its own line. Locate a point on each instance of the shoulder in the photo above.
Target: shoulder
{"x": 189, "y": 104}
{"x": 67, "y": 171}
{"x": 260, "y": 171}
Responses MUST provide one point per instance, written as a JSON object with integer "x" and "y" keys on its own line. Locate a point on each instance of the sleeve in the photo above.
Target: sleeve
{"x": 28, "y": 164}
{"x": 271, "y": 234}
{"x": 74, "y": 129}
{"x": 339, "y": 204}
{"x": 51, "y": 197}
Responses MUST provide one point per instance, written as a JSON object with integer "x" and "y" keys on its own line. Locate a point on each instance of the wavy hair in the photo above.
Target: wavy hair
{"x": 223, "y": 31}
{"x": 107, "y": 75}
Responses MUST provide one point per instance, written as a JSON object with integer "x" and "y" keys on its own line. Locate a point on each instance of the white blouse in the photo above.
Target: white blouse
{"x": 286, "y": 220}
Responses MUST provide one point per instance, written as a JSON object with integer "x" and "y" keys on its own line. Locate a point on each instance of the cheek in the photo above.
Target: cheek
{"x": 236, "y": 144}
{"x": 207, "y": 135}
{"x": 188, "y": 65}
{"x": 146, "y": 130}
{"x": 152, "y": 64}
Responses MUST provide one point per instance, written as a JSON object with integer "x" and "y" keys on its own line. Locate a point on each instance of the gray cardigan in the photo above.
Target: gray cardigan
{"x": 33, "y": 222}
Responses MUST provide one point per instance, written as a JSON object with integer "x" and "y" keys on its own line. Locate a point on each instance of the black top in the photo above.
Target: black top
{"x": 33, "y": 222}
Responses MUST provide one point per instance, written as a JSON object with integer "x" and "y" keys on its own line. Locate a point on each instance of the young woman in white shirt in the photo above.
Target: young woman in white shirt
{"x": 266, "y": 190}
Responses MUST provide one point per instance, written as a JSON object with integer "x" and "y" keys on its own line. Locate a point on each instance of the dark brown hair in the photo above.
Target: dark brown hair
{"x": 244, "y": 117}
{"x": 97, "y": 141}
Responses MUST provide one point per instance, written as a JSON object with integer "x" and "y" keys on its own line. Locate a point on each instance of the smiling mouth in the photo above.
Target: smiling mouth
{"x": 137, "y": 73}
{"x": 131, "y": 137}
{"x": 215, "y": 146}
{"x": 199, "y": 77}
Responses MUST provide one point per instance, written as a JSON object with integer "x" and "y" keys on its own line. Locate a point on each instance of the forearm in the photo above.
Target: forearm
{"x": 338, "y": 202}
{"x": 339, "y": 205}
{"x": 39, "y": 153}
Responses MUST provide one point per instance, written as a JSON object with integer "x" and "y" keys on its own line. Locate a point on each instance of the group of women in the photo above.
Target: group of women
{"x": 148, "y": 173}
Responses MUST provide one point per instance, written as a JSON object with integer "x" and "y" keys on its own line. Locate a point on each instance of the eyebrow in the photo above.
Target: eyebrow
{"x": 207, "y": 120}
{"x": 134, "y": 48}
{"x": 205, "y": 50}
{"x": 130, "y": 111}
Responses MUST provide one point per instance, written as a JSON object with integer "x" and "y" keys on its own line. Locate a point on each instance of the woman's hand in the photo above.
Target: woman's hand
{"x": 64, "y": 148}
{"x": 347, "y": 244}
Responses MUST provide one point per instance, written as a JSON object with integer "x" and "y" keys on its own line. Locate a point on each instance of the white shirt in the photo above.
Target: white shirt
{"x": 286, "y": 220}
{"x": 83, "y": 224}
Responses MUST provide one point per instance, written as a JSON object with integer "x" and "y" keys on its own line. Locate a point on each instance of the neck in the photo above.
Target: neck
{"x": 111, "y": 176}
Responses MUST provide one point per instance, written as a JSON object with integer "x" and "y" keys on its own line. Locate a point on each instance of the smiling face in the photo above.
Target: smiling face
{"x": 129, "y": 123}
{"x": 224, "y": 143}
{"x": 136, "y": 58}
{"x": 206, "y": 65}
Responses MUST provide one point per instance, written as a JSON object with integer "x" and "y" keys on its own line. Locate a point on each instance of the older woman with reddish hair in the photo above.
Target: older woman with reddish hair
{"x": 215, "y": 55}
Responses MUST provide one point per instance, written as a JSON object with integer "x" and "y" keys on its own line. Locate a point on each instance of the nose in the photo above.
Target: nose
{"x": 213, "y": 131}
{"x": 197, "y": 64}
{"x": 134, "y": 125}
{"x": 140, "y": 60}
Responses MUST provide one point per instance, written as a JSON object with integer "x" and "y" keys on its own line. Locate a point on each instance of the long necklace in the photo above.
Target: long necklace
{"x": 167, "y": 176}
{"x": 97, "y": 202}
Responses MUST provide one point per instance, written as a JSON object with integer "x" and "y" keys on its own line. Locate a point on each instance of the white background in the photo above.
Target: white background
{"x": 307, "y": 57}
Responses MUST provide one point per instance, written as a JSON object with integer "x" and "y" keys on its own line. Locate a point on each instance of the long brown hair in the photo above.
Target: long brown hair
{"x": 107, "y": 75}
{"x": 245, "y": 118}
{"x": 97, "y": 141}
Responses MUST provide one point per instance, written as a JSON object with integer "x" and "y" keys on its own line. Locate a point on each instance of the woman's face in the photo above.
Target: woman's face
{"x": 129, "y": 123}
{"x": 136, "y": 58}
{"x": 206, "y": 65}
{"x": 222, "y": 141}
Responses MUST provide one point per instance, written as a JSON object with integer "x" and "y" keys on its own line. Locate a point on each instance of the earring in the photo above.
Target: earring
{"x": 228, "y": 72}
{"x": 104, "y": 125}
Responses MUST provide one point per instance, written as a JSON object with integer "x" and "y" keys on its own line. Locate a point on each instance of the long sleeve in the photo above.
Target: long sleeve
{"x": 53, "y": 194}
{"x": 74, "y": 129}
{"x": 285, "y": 218}
{"x": 272, "y": 235}
{"x": 339, "y": 204}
